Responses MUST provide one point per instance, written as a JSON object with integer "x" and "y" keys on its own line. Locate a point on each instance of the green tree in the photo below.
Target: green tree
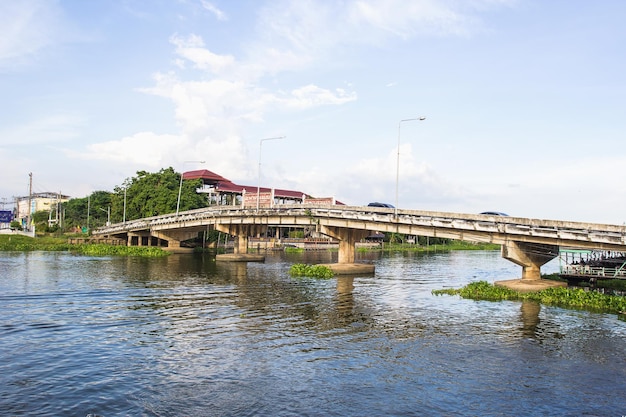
{"x": 144, "y": 195}
{"x": 40, "y": 220}
{"x": 99, "y": 202}
{"x": 152, "y": 194}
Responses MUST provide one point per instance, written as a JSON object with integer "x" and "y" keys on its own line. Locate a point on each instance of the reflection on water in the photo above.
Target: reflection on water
{"x": 186, "y": 335}
{"x": 530, "y": 317}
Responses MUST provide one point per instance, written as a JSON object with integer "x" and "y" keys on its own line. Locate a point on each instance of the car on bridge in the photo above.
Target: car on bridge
{"x": 377, "y": 204}
{"x": 493, "y": 213}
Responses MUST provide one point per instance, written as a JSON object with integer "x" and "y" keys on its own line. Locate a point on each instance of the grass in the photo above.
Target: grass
{"x": 290, "y": 249}
{"x": 21, "y": 243}
{"x": 574, "y": 298}
{"x": 26, "y": 243}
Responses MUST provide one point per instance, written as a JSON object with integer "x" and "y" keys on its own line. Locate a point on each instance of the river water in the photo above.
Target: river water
{"x": 189, "y": 336}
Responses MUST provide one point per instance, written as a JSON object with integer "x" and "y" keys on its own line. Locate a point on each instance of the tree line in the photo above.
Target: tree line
{"x": 144, "y": 195}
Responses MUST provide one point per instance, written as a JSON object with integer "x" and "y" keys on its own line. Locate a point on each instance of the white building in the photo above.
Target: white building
{"x": 50, "y": 202}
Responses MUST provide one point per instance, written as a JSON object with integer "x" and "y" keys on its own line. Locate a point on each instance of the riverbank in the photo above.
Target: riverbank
{"x": 20, "y": 243}
{"x": 451, "y": 245}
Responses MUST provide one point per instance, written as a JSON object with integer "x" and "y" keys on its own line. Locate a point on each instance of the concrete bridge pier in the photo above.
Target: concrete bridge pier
{"x": 240, "y": 250}
{"x": 530, "y": 256}
{"x": 173, "y": 238}
{"x": 347, "y": 247}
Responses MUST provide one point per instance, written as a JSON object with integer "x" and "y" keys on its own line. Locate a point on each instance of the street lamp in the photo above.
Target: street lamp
{"x": 124, "y": 217}
{"x": 398, "y": 158}
{"x": 108, "y": 212}
{"x": 180, "y": 187}
{"x": 258, "y": 187}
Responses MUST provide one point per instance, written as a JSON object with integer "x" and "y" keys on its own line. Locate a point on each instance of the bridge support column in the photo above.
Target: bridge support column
{"x": 530, "y": 256}
{"x": 174, "y": 238}
{"x": 241, "y": 233}
{"x": 347, "y": 248}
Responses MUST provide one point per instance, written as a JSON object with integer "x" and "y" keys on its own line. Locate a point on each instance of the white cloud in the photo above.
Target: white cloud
{"x": 28, "y": 27}
{"x": 219, "y": 14}
{"x": 50, "y": 129}
{"x": 192, "y": 49}
{"x": 313, "y": 96}
{"x": 313, "y": 27}
{"x": 415, "y": 181}
{"x": 144, "y": 149}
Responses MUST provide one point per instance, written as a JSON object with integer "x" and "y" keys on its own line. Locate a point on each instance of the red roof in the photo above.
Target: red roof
{"x": 289, "y": 193}
{"x": 224, "y": 185}
{"x": 205, "y": 175}
{"x": 229, "y": 187}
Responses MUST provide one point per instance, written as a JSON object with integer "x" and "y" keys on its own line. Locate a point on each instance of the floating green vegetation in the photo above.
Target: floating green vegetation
{"x": 118, "y": 250}
{"x": 23, "y": 243}
{"x": 293, "y": 249}
{"x": 313, "y": 271}
{"x": 561, "y": 297}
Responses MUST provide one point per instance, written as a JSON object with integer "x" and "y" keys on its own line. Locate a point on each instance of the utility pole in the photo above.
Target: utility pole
{"x": 30, "y": 198}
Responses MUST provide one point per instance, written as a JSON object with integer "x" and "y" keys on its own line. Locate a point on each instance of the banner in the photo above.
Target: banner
{"x": 6, "y": 216}
{"x": 264, "y": 200}
{"x": 326, "y": 201}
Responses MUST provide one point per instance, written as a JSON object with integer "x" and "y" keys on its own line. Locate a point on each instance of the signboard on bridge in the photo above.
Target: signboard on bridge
{"x": 320, "y": 201}
{"x": 264, "y": 200}
{"x": 6, "y": 216}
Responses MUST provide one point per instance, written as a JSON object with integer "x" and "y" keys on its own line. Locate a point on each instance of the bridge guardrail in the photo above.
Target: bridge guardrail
{"x": 513, "y": 226}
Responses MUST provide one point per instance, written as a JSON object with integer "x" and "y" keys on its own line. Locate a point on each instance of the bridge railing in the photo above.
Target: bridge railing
{"x": 382, "y": 219}
{"x": 593, "y": 271}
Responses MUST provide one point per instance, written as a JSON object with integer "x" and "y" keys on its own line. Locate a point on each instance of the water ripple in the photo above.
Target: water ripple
{"x": 189, "y": 336}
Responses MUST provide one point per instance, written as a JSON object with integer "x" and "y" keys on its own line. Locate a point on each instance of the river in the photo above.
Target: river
{"x": 188, "y": 336}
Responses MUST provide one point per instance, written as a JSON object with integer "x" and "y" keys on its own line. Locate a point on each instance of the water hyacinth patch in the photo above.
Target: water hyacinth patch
{"x": 576, "y": 298}
{"x": 313, "y": 271}
{"x": 118, "y": 250}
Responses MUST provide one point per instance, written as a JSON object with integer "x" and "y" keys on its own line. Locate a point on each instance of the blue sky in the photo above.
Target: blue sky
{"x": 524, "y": 99}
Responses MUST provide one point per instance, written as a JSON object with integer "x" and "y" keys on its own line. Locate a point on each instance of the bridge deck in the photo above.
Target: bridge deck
{"x": 469, "y": 227}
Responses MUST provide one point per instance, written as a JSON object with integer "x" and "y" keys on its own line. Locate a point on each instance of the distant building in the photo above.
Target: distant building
{"x": 49, "y": 202}
{"x": 222, "y": 191}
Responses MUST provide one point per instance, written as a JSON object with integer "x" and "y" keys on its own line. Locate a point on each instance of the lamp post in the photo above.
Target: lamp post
{"x": 180, "y": 187}
{"x": 124, "y": 216}
{"x": 258, "y": 187}
{"x": 108, "y": 212}
{"x": 398, "y": 159}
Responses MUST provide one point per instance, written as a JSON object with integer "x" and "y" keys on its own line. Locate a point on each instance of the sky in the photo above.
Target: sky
{"x": 524, "y": 100}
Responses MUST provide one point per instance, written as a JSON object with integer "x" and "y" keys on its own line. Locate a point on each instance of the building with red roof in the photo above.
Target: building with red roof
{"x": 222, "y": 191}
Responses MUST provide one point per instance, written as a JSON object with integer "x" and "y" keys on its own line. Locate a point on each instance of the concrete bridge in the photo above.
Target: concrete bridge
{"x": 529, "y": 243}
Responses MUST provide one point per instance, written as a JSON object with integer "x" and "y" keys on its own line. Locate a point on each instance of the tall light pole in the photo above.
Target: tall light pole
{"x": 398, "y": 159}
{"x": 108, "y": 212}
{"x": 180, "y": 187}
{"x": 258, "y": 187}
{"x": 124, "y": 217}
